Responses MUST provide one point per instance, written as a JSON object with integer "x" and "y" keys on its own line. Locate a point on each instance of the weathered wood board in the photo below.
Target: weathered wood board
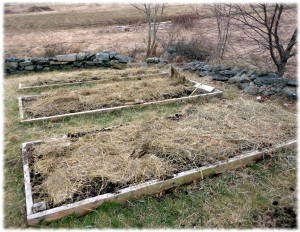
{"x": 151, "y": 187}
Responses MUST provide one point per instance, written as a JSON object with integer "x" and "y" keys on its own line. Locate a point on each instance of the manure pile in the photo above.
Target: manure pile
{"x": 73, "y": 169}
{"x": 107, "y": 95}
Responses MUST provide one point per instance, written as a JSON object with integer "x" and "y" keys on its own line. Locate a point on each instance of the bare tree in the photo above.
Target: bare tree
{"x": 264, "y": 25}
{"x": 153, "y": 14}
{"x": 222, "y": 14}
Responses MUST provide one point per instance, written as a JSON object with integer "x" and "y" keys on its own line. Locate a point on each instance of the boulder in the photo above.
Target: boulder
{"x": 112, "y": 54}
{"x": 66, "y": 58}
{"x": 102, "y": 56}
{"x": 29, "y": 68}
{"x": 239, "y": 79}
{"x": 77, "y": 64}
{"x": 242, "y": 85}
{"x": 89, "y": 63}
{"x": 153, "y": 60}
{"x": 204, "y": 73}
{"x": 292, "y": 82}
{"x": 11, "y": 59}
{"x": 236, "y": 71}
{"x": 123, "y": 59}
{"x": 220, "y": 78}
{"x": 290, "y": 92}
{"x": 57, "y": 63}
{"x": 265, "y": 80}
{"x": 39, "y": 67}
{"x": 279, "y": 82}
{"x": 81, "y": 56}
{"x": 225, "y": 73}
{"x": 25, "y": 63}
{"x": 206, "y": 68}
{"x": 251, "y": 89}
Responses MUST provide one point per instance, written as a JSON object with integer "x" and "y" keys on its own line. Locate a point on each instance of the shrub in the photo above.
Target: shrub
{"x": 185, "y": 20}
{"x": 197, "y": 48}
{"x": 39, "y": 9}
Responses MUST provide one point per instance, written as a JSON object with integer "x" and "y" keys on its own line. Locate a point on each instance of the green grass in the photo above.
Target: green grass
{"x": 239, "y": 199}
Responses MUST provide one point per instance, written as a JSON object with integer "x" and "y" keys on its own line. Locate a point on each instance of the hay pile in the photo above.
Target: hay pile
{"x": 107, "y": 95}
{"x": 157, "y": 147}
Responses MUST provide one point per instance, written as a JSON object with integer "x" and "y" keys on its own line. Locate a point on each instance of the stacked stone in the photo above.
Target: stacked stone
{"x": 68, "y": 61}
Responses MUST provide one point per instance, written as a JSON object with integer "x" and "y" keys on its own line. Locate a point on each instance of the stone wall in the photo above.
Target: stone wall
{"x": 252, "y": 82}
{"x": 69, "y": 61}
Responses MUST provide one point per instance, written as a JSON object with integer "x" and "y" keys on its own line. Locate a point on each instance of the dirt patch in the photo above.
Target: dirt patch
{"x": 89, "y": 164}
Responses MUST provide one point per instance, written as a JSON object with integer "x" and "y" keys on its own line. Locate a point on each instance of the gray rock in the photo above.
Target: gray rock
{"x": 206, "y": 68}
{"x": 290, "y": 92}
{"x": 90, "y": 56}
{"x": 239, "y": 79}
{"x": 11, "y": 65}
{"x": 66, "y": 58}
{"x": 124, "y": 59}
{"x": 251, "y": 89}
{"x": 237, "y": 70}
{"x": 153, "y": 60}
{"x": 57, "y": 63}
{"x": 90, "y": 63}
{"x": 204, "y": 73}
{"x": 81, "y": 56}
{"x": 216, "y": 68}
{"x": 225, "y": 73}
{"x": 29, "y": 68}
{"x": 25, "y": 63}
{"x": 194, "y": 65}
{"x": 253, "y": 77}
{"x": 77, "y": 64}
{"x": 11, "y": 59}
{"x": 265, "y": 80}
{"x": 102, "y": 56}
{"x": 279, "y": 82}
{"x": 220, "y": 78}
{"x": 292, "y": 82}
{"x": 42, "y": 61}
{"x": 242, "y": 85}
{"x": 39, "y": 67}
{"x": 46, "y": 69}
{"x": 112, "y": 54}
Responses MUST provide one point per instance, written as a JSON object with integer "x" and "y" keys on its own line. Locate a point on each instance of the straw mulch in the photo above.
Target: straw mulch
{"x": 157, "y": 147}
{"x": 107, "y": 95}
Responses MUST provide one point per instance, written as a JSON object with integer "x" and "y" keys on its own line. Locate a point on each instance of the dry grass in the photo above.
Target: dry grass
{"x": 48, "y": 78}
{"x": 156, "y": 147}
{"x": 105, "y": 95}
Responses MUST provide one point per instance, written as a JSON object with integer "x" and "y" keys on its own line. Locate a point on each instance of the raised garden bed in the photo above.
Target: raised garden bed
{"x": 50, "y": 83}
{"x": 78, "y": 172}
{"x": 111, "y": 96}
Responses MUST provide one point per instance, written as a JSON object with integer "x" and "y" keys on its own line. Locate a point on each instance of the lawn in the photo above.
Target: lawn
{"x": 226, "y": 201}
